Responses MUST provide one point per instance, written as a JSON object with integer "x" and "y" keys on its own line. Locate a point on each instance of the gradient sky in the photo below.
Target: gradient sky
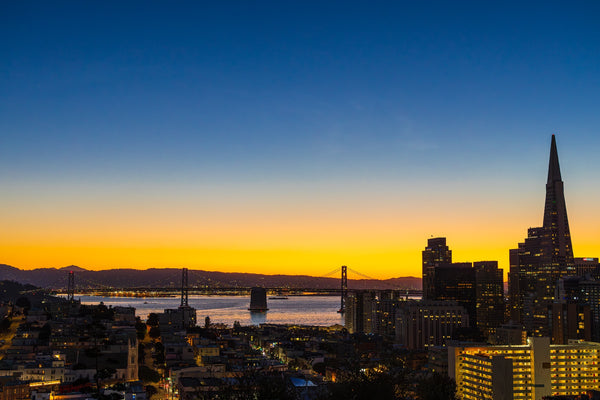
{"x": 292, "y": 137}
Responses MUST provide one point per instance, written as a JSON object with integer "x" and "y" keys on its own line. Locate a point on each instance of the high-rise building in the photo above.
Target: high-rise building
{"x": 456, "y": 282}
{"x": 555, "y": 217}
{"x": 544, "y": 256}
{"x": 427, "y": 323}
{"x": 372, "y": 311}
{"x": 489, "y": 295}
{"x": 435, "y": 253}
{"x": 579, "y": 315}
{"x": 359, "y": 311}
{"x": 527, "y": 372}
{"x": 477, "y": 287}
{"x": 587, "y": 266}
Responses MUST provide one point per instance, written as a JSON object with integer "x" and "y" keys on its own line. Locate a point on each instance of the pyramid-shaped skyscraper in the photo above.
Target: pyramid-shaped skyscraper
{"x": 555, "y": 212}
{"x": 544, "y": 256}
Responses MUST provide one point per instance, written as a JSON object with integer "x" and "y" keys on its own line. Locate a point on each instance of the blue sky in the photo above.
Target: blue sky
{"x": 435, "y": 97}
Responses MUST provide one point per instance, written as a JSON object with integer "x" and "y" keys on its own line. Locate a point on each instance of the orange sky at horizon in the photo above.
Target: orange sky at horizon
{"x": 287, "y": 138}
{"x": 381, "y": 238}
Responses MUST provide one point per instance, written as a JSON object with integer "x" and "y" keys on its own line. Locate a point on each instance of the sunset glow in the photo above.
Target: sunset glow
{"x": 277, "y": 139}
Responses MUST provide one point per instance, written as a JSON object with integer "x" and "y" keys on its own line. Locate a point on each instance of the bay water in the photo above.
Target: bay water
{"x": 301, "y": 310}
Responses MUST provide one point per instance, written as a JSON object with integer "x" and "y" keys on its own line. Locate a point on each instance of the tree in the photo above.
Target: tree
{"x": 150, "y": 391}
{"x": 105, "y": 373}
{"x": 140, "y": 329}
{"x": 436, "y": 387}
{"x": 207, "y": 322}
{"x": 319, "y": 368}
{"x": 154, "y": 332}
{"x": 45, "y": 333}
{"x": 5, "y": 324}
{"x": 24, "y": 303}
{"x": 159, "y": 353}
{"x": 148, "y": 374}
{"x": 152, "y": 319}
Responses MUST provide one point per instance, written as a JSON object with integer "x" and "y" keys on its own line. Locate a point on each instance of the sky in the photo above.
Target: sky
{"x": 292, "y": 136}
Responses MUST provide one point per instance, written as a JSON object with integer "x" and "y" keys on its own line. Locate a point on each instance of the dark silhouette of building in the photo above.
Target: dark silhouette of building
{"x": 456, "y": 282}
{"x": 435, "y": 253}
{"x": 576, "y": 309}
{"x": 360, "y": 306}
{"x": 489, "y": 295}
{"x": 544, "y": 256}
{"x": 372, "y": 311}
{"x": 258, "y": 299}
{"x": 587, "y": 266}
{"x": 428, "y": 323}
{"x": 445, "y": 280}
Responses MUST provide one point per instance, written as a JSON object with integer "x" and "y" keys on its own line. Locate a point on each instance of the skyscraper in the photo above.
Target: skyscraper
{"x": 544, "y": 256}
{"x": 555, "y": 217}
{"x": 489, "y": 294}
{"x": 436, "y": 253}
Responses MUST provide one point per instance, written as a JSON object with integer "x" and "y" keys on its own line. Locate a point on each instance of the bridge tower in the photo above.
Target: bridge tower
{"x": 184, "y": 287}
{"x": 71, "y": 287}
{"x": 344, "y": 291}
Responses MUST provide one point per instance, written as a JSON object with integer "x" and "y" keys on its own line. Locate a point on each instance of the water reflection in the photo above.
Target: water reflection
{"x": 257, "y": 318}
{"x": 303, "y": 310}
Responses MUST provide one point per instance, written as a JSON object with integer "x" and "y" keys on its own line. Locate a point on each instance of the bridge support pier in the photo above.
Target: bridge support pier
{"x": 344, "y": 289}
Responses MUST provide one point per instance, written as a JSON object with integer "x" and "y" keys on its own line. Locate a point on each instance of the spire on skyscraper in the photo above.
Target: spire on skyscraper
{"x": 544, "y": 257}
{"x": 555, "y": 212}
{"x": 553, "y": 167}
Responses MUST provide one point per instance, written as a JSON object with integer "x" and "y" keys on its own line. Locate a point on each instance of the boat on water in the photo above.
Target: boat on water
{"x": 278, "y": 298}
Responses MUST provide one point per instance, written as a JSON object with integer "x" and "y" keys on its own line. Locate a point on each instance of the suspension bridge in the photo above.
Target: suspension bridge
{"x": 158, "y": 289}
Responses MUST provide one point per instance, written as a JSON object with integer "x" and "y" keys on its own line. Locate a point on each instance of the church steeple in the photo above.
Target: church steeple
{"x": 555, "y": 212}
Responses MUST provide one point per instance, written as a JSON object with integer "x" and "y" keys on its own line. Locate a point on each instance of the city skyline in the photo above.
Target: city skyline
{"x": 291, "y": 138}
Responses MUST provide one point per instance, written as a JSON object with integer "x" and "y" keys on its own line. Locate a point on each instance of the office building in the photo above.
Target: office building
{"x": 570, "y": 320}
{"x": 436, "y": 253}
{"x": 456, "y": 282}
{"x": 359, "y": 311}
{"x": 580, "y": 312}
{"x": 372, "y": 311}
{"x": 478, "y": 287}
{"x": 544, "y": 256}
{"x": 587, "y": 266}
{"x": 489, "y": 296}
{"x": 422, "y": 324}
{"x": 510, "y": 333}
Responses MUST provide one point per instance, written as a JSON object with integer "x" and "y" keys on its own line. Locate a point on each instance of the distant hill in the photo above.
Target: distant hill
{"x": 11, "y": 290}
{"x": 53, "y": 278}
{"x": 73, "y": 268}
